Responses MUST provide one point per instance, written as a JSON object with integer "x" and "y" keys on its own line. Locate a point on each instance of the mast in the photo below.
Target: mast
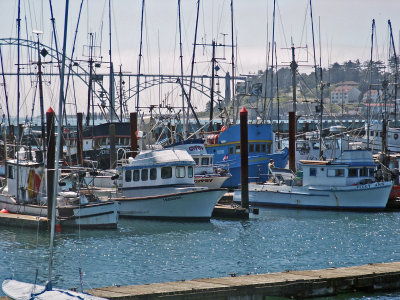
{"x": 41, "y": 97}
{"x": 235, "y": 113}
{"x": 322, "y": 85}
{"x": 58, "y": 142}
{"x": 370, "y": 81}
{"x": 120, "y": 91}
{"x": 90, "y": 78}
{"x": 192, "y": 68}
{"x": 140, "y": 58}
{"x": 111, "y": 88}
{"x": 210, "y": 127}
{"x": 18, "y": 93}
{"x": 396, "y": 73}
{"x": 181, "y": 60}
{"x": 272, "y": 64}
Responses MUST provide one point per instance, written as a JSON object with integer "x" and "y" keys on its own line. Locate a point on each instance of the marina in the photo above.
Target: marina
{"x": 148, "y": 251}
{"x": 249, "y": 168}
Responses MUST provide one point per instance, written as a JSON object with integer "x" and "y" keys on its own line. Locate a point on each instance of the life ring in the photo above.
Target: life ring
{"x": 396, "y": 136}
{"x": 31, "y": 184}
{"x": 34, "y": 181}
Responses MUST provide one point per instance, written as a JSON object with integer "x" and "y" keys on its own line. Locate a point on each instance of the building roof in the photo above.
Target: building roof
{"x": 343, "y": 89}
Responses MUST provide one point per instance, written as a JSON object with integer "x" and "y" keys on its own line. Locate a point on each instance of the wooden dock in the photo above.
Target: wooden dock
{"x": 25, "y": 221}
{"x": 290, "y": 284}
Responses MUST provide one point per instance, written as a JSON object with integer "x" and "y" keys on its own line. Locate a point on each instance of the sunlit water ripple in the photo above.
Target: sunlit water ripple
{"x": 142, "y": 251}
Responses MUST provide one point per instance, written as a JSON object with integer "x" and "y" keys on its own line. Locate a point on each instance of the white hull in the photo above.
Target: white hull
{"x": 92, "y": 215}
{"x": 22, "y": 290}
{"x": 211, "y": 182}
{"x": 158, "y": 190}
{"x": 185, "y": 205}
{"x": 372, "y": 196}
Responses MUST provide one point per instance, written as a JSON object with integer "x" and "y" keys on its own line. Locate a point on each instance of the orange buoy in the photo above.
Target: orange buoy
{"x": 4, "y": 211}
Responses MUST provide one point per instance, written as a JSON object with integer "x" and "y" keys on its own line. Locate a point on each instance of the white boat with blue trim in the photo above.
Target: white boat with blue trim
{"x": 160, "y": 184}
{"x": 347, "y": 183}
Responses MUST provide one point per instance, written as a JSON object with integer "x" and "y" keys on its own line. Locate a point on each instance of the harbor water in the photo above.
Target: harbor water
{"x": 145, "y": 251}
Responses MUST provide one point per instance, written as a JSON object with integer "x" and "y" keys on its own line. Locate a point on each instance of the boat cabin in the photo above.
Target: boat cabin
{"x": 167, "y": 167}
{"x": 351, "y": 168}
{"x": 29, "y": 185}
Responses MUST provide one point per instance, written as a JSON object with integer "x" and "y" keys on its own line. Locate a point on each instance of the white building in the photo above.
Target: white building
{"x": 345, "y": 94}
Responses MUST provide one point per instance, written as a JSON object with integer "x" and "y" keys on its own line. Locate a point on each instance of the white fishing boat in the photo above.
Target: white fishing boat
{"x": 345, "y": 184}
{"x": 28, "y": 195}
{"x": 160, "y": 184}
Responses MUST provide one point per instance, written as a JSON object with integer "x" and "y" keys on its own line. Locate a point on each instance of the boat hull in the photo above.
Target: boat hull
{"x": 22, "y": 290}
{"x": 211, "y": 182}
{"x": 195, "y": 205}
{"x": 372, "y": 197}
{"x": 92, "y": 215}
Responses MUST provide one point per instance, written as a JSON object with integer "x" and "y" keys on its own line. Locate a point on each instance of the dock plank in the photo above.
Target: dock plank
{"x": 297, "y": 284}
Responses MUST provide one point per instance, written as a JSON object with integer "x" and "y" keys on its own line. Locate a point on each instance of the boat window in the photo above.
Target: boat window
{"x": 136, "y": 175}
{"x": 353, "y": 172}
{"x": 230, "y": 150}
{"x": 313, "y": 171}
{"x": 128, "y": 175}
{"x": 269, "y": 148}
{"x": 204, "y": 161}
{"x": 145, "y": 174}
{"x": 336, "y": 172}
{"x": 251, "y": 148}
{"x": 10, "y": 172}
{"x": 211, "y": 160}
{"x": 196, "y": 160}
{"x": 153, "y": 174}
{"x": 380, "y": 133}
{"x": 263, "y": 148}
{"x": 237, "y": 149}
{"x": 363, "y": 172}
{"x": 166, "y": 172}
{"x": 371, "y": 172}
{"x": 258, "y": 148}
{"x": 180, "y": 172}
{"x": 190, "y": 172}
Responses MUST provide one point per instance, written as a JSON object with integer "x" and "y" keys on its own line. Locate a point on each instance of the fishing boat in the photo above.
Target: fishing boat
{"x": 347, "y": 183}
{"x": 160, "y": 184}
{"x": 225, "y": 146}
{"x": 28, "y": 195}
{"x": 96, "y": 143}
{"x": 206, "y": 172}
{"x": 373, "y": 139}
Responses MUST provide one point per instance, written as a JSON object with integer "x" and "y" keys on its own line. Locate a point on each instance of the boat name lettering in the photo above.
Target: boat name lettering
{"x": 196, "y": 148}
{"x": 203, "y": 180}
{"x": 172, "y": 198}
{"x": 363, "y": 186}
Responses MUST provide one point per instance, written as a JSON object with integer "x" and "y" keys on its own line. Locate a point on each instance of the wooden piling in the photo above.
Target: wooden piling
{"x": 244, "y": 156}
{"x": 79, "y": 140}
{"x": 134, "y": 142}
